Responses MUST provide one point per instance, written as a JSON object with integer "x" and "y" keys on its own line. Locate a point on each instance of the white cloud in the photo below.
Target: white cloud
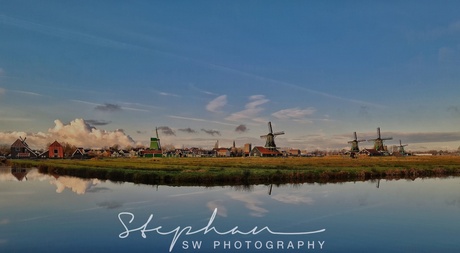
{"x": 77, "y": 132}
{"x": 252, "y": 108}
{"x": 2, "y": 91}
{"x": 294, "y": 113}
{"x": 217, "y": 104}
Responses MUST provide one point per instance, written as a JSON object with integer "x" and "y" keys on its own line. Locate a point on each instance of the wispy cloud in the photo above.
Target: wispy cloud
{"x": 107, "y": 107}
{"x": 217, "y": 104}
{"x": 241, "y": 129}
{"x": 188, "y": 130}
{"x": 2, "y": 91}
{"x": 95, "y": 122}
{"x": 211, "y": 132}
{"x": 294, "y": 113}
{"x": 252, "y": 109}
{"x": 26, "y": 92}
{"x": 166, "y": 130}
{"x": 169, "y": 94}
{"x": 201, "y": 120}
{"x": 62, "y": 33}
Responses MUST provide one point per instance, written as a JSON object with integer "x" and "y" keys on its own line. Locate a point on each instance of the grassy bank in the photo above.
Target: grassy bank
{"x": 233, "y": 171}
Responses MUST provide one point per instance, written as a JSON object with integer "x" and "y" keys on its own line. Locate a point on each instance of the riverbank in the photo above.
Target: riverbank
{"x": 253, "y": 170}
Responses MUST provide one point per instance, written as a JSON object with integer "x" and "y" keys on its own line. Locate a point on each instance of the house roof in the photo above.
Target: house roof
{"x": 19, "y": 144}
{"x": 266, "y": 151}
{"x": 56, "y": 144}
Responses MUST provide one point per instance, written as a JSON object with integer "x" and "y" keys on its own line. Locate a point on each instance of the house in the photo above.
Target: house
{"x": 79, "y": 153}
{"x": 294, "y": 152}
{"x": 222, "y": 152}
{"x": 20, "y": 149}
{"x": 55, "y": 150}
{"x": 370, "y": 152}
{"x": 152, "y": 153}
{"x": 264, "y": 152}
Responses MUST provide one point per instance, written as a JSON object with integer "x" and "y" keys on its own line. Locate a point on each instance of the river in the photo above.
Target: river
{"x": 50, "y": 213}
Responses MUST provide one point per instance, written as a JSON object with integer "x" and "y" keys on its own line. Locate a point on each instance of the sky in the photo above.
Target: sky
{"x": 100, "y": 73}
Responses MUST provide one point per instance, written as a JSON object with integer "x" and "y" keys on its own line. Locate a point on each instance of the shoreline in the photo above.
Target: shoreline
{"x": 247, "y": 171}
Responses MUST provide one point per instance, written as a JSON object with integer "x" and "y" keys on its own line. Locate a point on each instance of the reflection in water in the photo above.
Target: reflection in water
{"x": 402, "y": 216}
{"x": 76, "y": 185}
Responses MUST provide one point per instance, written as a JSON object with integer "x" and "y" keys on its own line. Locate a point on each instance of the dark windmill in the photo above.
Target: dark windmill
{"x": 401, "y": 148}
{"x": 270, "y": 137}
{"x": 378, "y": 143}
{"x": 354, "y": 144}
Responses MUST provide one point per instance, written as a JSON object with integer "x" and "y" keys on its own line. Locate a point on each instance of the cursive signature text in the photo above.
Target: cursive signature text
{"x": 127, "y": 218}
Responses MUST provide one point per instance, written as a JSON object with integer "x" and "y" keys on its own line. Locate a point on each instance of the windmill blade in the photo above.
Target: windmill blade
{"x": 378, "y": 132}
{"x": 360, "y": 140}
{"x": 263, "y": 136}
{"x": 389, "y": 138}
{"x": 279, "y": 133}
{"x": 356, "y": 136}
{"x": 270, "y": 129}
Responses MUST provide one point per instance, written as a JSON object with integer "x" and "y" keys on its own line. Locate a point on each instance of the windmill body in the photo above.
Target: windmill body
{"x": 378, "y": 143}
{"x": 401, "y": 148}
{"x": 270, "y": 137}
{"x": 354, "y": 144}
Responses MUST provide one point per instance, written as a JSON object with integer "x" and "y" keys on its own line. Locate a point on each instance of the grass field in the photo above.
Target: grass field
{"x": 254, "y": 170}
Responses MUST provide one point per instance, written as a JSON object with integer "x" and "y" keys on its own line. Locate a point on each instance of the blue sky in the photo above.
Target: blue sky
{"x": 204, "y": 71}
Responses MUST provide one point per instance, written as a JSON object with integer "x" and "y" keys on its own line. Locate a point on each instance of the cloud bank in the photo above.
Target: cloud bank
{"x": 78, "y": 132}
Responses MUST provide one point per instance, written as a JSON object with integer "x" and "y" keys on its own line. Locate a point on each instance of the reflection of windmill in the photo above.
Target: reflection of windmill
{"x": 378, "y": 143}
{"x": 354, "y": 144}
{"x": 401, "y": 148}
{"x": 270, "y": 137}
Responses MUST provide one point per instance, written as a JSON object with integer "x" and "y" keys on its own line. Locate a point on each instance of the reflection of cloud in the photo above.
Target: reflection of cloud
{"x": 251, "y": 202}
{"x": 221, "y": 210}
{"x": 110, "y": 204}
{"x": 77, "y": 185}
{"x": 98, "y": 189}
{"x": 293, "y": 199}
{"x": 3, "y": 241}
{"x": 4, "y": 221}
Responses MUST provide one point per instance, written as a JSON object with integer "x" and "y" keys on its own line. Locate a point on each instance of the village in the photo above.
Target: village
{"x": 56, "y": 150}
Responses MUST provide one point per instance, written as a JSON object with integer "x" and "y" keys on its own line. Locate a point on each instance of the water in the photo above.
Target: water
{"x": 47, "y": 213}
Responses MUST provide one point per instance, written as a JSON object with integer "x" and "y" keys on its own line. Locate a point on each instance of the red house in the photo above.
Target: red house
{"x": 56, "y": 150}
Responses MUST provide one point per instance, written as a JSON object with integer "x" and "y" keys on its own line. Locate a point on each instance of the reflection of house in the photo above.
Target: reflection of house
{"x": 19, "y": 173}
{"x": 264, "y": 152}
{"x": 55, "y": 150}
{"x": 20, "y": 149}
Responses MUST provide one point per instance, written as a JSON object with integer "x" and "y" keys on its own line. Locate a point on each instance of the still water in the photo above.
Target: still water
{"x": 47, "y": 213}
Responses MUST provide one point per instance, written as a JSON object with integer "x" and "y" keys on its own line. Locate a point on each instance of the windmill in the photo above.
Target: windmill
{"x": 270, "y": 137}
{"x": 378, "y": 143}
{"x": 401, "y": 148}
{"x": 354, "y": 144}
{"x": 155, "y": 142}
